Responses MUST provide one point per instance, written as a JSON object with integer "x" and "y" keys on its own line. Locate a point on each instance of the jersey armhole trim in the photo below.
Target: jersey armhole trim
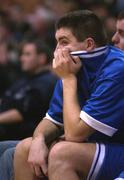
{"x": 99, "y": 126}
{"x": 53, "y": 120}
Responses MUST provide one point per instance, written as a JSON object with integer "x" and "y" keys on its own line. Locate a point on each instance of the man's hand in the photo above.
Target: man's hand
{"x": 38, "y": 155}
{"x": 64, "y": 64}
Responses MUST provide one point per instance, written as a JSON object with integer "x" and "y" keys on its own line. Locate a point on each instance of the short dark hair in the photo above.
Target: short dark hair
{"x": 84, "y": 24}
{"x": 41, "y": 47}
{"x": 120, "y": 15}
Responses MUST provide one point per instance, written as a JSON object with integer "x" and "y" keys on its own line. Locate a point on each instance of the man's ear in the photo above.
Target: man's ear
{"x": 90, "y": 44}
{"x": 42, "y": 59}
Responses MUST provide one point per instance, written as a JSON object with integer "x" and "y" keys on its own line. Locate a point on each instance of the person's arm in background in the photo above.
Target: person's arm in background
{"x": 10, "y": 116}
{"x": 29, "y": 108}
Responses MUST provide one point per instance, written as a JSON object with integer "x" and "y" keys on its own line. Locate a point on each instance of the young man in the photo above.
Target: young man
{"x": 87, "y": 105}
{"x": 23, "y": 104}
{"x": 118, "y": 37}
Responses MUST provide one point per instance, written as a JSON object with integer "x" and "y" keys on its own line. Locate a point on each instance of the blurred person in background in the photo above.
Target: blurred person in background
{"x": 110, "y": 25}
{"x": 119, "y": 6}
{"x": 4, "y": 79}
{"x": 99, "y": 8}
{"x": 10, "y": 70}
{"x": 103, "y": 9}
{"x": 25, "y": 103}
{"x": 118, "y": 37}
{"x": 9, "y": 65}
{"x": 5, "y": 33}
{"x": 19, "y": 26}
{"x": 44, "y": 17}
{"x": 60, "y": 7}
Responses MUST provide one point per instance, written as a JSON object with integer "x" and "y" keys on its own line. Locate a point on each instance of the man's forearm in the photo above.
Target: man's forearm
{"x": 76, "y": 130}
{"x": 71, "y": 106}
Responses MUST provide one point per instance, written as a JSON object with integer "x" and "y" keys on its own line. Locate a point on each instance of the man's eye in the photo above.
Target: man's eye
{"x": 121, "y": 33}
{"x": 64, "y": 42}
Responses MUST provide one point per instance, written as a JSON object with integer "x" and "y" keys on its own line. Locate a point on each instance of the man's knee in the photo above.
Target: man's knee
{"x": 22, "y": 147}
{"x": 6, "y": 164}
{"x": 66, "y": 149}
{"x": 8, "y": 155}
{"x": 58, "y": 157}
{"x": 59, "y": 151}
{"x": 75, "y": 155}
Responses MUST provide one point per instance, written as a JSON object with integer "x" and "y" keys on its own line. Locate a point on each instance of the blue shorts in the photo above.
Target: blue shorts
{"x": 108, "y": 162}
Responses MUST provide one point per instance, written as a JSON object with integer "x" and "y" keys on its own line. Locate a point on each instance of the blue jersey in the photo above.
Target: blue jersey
{"x": 100, "y": 93}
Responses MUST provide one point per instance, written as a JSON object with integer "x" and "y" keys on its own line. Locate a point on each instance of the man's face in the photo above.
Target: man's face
{"x": 118, "y": 38}
{"x": 65, "y": 39}
{"x": 29, "y": 58}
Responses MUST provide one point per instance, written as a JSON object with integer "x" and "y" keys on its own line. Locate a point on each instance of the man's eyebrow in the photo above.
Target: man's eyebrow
{"x": 62, "y": 37}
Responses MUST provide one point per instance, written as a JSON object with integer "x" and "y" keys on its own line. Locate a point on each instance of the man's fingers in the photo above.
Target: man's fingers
{"x": 77, "y": 60}
{"x": 38, "y": 171}
{"x": 54, "y": 63}
{"x": 45, "y": 169}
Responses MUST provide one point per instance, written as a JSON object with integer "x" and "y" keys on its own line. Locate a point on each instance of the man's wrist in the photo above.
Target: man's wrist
{"x": 70, "y": 77}
{"x": 39, "y": 138}
{"x": 70, "y": 80}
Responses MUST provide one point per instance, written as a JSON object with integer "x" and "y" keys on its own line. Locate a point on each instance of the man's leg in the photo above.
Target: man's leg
{"x": 6, "y": 164}
{"x": 6, "y": 159}
{"x": 68, "y": 160}
{"x": 60, "y": 156}
{"x": 4, "y": 145}
{"x": 22, "y": 169}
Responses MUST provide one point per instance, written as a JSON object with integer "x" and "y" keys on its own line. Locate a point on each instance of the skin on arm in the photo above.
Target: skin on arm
{"x": 76, "y": 130}
{"x": 32, "y": 154}
{"x": 10, "y": 116}
{"x": 66, "y": 67}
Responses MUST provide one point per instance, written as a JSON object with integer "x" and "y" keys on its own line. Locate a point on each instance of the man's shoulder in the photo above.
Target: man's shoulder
{"x": 115, "y": 54}
{"x": 113, "y": 66}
